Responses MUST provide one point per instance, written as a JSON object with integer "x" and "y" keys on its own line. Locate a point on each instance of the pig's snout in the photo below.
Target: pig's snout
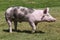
{"x": 53, "y": 20}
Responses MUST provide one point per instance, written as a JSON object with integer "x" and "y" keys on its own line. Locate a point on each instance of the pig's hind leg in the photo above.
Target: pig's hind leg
{"x": 10, "y": 25}
{"x": 15, "y": 25}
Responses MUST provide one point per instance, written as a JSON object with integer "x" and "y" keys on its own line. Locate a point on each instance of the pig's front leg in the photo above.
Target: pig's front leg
{"x": 33, "y": 26}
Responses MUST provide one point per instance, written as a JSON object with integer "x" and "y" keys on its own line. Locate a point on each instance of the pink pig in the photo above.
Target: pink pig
{"x": 23, "y": 14}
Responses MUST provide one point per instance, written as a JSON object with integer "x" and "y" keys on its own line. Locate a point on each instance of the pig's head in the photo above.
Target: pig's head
{"x": 47, "y": 17}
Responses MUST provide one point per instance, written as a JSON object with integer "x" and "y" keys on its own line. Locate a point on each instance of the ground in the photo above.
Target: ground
{"x": 45, "y": 30}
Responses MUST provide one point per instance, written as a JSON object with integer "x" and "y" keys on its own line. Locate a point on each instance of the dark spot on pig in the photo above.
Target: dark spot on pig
{"x": 30, "y": 10}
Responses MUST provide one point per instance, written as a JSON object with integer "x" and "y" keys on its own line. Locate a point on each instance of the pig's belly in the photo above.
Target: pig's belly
{"x": 22, "y": 19}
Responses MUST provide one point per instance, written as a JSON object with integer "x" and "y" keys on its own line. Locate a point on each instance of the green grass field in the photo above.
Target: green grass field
{"x": 48, "y": 31}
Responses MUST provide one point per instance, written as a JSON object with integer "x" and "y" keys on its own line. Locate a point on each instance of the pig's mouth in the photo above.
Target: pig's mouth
{"x": 51, "y": 21}
{"x": 48, "y": 21}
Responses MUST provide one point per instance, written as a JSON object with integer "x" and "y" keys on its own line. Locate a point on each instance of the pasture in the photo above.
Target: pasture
{"x": 45, "y": 30}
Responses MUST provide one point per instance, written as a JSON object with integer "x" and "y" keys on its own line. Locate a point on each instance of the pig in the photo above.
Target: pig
{"x": 24, "y": 14}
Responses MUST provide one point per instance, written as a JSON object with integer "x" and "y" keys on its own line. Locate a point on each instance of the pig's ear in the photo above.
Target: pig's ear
{"x": 46, "y": 10}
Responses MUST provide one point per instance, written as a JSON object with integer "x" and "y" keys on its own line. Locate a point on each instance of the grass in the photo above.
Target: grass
{"x": 4, "y": 4}
{"x": 50, "y": 31}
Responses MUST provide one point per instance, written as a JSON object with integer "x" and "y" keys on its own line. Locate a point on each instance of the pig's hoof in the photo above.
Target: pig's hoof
{"x": 33, "y": 31}
{"x": 10, "y": 31}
